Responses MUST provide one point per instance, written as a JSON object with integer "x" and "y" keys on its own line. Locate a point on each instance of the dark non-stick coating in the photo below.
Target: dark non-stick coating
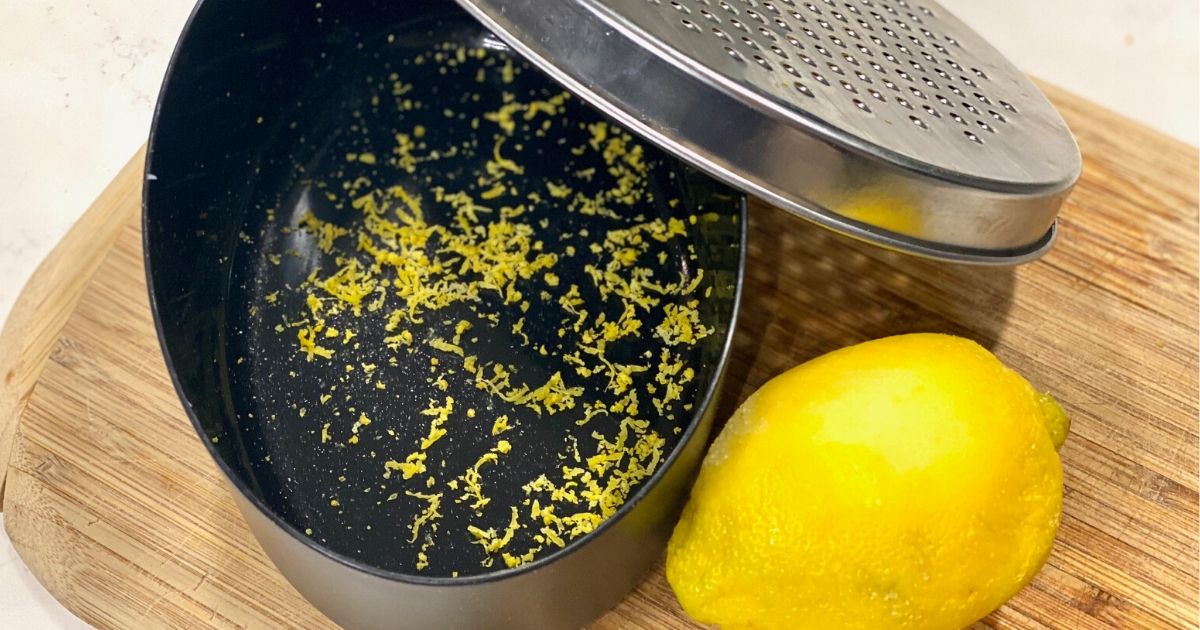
{"x": 252, "y": 134}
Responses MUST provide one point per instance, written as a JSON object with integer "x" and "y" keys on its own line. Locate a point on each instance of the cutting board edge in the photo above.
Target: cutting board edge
{"x": 50, "y": 295}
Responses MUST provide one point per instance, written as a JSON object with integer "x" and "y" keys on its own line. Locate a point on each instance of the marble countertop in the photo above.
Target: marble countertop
{"x": 80, "y": 79}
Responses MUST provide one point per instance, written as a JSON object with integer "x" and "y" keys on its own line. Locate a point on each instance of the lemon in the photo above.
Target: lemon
{"x": 908, "y": 482}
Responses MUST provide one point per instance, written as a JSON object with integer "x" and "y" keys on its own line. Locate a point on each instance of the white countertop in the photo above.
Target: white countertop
{"x": 80, "y": 79}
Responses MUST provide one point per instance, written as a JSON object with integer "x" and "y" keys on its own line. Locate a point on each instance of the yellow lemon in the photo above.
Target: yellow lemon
{"x": 908, "y": 482}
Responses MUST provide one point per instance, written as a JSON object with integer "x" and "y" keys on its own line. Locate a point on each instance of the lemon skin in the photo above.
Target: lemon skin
{"x": 907, "y": 482}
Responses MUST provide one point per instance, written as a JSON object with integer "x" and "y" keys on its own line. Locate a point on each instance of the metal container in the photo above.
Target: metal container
{"x": 237, "y": 67}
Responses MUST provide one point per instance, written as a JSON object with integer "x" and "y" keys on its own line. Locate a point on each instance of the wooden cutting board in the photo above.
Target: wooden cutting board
{"x": 117, "y": 509}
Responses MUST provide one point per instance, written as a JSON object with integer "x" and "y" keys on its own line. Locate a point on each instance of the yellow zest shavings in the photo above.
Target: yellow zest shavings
{"x": 558, "y": 191}
{"x": 490, "y": 540}
{"x": 473, "y": 477}
{"x": 455, "y": 263}
{"x": 681, "y": 324}
{"x": 553, "y": 396}
{"x": 412, "y": 465}
{"x": 427, "y": 515}
{"x": 446, "y": 346}
{"x": 325, "y": 231}
{"x": 308, "y": 344}
{"x": 440, "y": 416}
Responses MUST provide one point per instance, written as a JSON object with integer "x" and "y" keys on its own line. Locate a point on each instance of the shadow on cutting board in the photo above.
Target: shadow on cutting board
{"x": 809, "y": 291}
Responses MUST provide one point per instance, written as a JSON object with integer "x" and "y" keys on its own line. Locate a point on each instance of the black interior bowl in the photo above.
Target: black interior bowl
{"x": 261, "y": 106}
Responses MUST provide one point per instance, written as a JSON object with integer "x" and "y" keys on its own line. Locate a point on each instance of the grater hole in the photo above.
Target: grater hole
{"x": 803, "y": 89}
{"x": 972, "y": 137}
{"x": 861, "y": 46}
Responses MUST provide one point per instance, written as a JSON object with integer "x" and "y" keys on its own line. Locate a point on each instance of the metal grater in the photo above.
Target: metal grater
{"x": 887, "y": 120}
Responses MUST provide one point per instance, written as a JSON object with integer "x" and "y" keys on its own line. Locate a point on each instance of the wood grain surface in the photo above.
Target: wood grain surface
{"x": 116, "y": 507}
{"x": 50, "y": 295}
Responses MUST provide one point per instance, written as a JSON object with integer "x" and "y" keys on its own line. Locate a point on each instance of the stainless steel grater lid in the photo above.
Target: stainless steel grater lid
{"x": 887, "y": 120}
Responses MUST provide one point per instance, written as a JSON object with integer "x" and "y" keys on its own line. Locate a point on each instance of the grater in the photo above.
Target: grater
{"x": 886, "y": 120}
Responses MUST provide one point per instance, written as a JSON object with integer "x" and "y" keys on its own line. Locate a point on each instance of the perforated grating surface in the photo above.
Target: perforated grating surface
{"x": 889, "y": 120}
{"x": 905, "y": 76}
